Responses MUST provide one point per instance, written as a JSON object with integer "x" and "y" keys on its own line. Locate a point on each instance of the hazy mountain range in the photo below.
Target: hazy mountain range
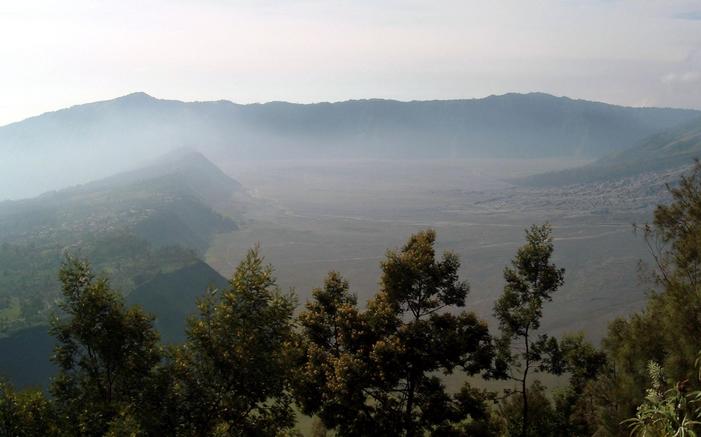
{"x": 148, "y": 227}
{"x": 90, "y": 141}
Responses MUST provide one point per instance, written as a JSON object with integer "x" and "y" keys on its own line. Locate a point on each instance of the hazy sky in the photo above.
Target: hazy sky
{"x": 58, "y": 53}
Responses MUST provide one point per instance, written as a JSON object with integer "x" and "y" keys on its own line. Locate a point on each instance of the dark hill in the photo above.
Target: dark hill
{"x": 171, "y": 297}
{"x": 89, "y": 141}
{"x": 25, "y": 357}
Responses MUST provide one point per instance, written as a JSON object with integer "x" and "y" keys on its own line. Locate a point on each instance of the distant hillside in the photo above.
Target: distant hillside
{"x": 168, "y": 202}
{"x": 668, "y": 150}
{"x": 90, "y": 141}
{"x": 183, "y": 171}
{"x": 134, "y": 226}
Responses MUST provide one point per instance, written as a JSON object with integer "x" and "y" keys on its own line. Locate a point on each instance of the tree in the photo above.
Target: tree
{"x": 333, "y": 342}
{"x": 531, "y": 281}
{"x": 674, "y": 239}
{"x": 668, "y": 330}
{"x": 232, "y": 375}
{"x": 106, "y": 353}
{"x": 26, "y": 414}
{"x": 574, "y": 405}
{"x": 543, "y": 419}
{"x": 377, "y": 370}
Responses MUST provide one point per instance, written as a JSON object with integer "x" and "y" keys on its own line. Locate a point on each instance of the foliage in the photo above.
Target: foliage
{"x": 673, "y": 412}
{"x": 127, "y": 225}
{"x": 574, "y": 412}
{"x": 668, "y": 330}
{"x": 542, "y": 422}
{"x": 105, "y": 351}
{"x": 375, "y": 371}
{"x": 26, "y": 414}
{"x": 331, "y": 366}
{"x": 232, "y": 375}
{"x": 531, "y": 281}
{"x": 28, "y": 285}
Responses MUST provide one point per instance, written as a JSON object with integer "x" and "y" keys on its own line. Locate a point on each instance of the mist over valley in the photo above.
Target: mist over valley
{"x": 350, "y": 218}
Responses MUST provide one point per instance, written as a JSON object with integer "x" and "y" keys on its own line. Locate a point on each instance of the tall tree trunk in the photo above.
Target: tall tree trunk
{"x": 524, "y": 422}
{"x": 409, "y": 420}
{"x": 524, "y": 392}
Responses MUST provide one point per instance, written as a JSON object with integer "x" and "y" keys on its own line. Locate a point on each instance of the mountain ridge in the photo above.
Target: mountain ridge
{"x": 87, "y": 142}
{"x": 144, "y": 96}
{"x": 671, "y": 149}
{"x": 184, "y": 188}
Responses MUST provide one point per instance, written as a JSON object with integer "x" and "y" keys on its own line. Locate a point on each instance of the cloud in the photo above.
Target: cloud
{"x": 686, "y": 72}
{"x": 690, "y": 15}
{"x": 686, "y": 77}
{"x": 62, "y": 53}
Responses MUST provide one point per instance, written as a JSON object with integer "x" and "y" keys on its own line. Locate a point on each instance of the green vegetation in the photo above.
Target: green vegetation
{"x": 530, "y": 282}
{"x": 232, "y": 375}
{"x": 133, "y": 226}
{"x": 26, "y": 414}
{"x": 375, "y": 371}
{"x": 243, "y": 364}
{"x": 246, "y": 361}
{"x": 28, "y": 285}
{"x": 667, "y": 331}
{"x": 105, "y": 353}
{"x": 674, "y": 412}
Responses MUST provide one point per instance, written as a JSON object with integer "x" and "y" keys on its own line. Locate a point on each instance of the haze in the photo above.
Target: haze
{"x": 56, "y": 54}
{"x": 147, "y": 146}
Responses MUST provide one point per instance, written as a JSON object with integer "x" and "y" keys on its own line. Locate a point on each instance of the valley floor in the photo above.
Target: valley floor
{"x": 314, "y": 217}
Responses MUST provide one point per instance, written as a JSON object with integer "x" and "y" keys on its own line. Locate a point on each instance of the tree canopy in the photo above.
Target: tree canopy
{"x": 249, "y": 366}
{"x": 376, "y": 370}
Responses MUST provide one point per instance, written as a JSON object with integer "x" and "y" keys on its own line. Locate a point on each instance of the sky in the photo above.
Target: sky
{"x": 57, "y": 53}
